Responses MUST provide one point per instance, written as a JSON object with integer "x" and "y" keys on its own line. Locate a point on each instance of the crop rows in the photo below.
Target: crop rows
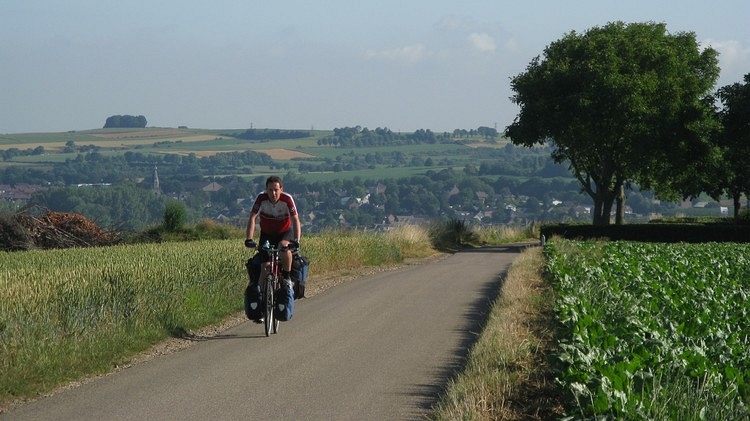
{"x": 653, "y": 331}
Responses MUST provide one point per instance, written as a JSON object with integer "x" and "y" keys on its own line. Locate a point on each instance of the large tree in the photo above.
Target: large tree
{"x": 735, "y": 139}
{"x": 619, "y": 104}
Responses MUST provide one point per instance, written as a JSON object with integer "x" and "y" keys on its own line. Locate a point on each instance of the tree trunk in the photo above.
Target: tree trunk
{"x": 603, "y": 199}
{"x": 737, "y": 204}
{"x": 607, "y": 210}
{"x": 597, "y": 211}
{"x": 620, "y": 214}
{"x": 603, "y": 208}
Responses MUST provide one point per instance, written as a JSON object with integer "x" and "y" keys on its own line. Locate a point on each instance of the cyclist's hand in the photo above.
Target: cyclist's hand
{"x": 249, "y": 243}
{"x": 294, "y": 244}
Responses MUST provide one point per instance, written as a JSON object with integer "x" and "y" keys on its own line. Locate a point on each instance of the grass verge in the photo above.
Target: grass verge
{"x": 507, "y": 376}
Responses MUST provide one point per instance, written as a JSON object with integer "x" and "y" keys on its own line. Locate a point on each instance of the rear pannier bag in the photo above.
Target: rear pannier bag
{"x": 300, "y": 266}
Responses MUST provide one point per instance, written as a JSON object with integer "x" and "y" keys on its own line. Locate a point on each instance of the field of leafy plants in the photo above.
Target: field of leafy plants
{"x": 651, "y": 330}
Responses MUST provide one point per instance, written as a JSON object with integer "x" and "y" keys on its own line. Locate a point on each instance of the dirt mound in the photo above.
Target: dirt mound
{"x": 24, "y": 231}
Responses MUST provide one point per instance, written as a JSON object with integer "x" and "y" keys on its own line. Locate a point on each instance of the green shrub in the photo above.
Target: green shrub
{"x": 452, "y": 234}
{"x": 175, "y": 216}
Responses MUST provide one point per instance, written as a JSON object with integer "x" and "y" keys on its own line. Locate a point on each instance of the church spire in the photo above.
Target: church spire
{"x": 156, "y": 186}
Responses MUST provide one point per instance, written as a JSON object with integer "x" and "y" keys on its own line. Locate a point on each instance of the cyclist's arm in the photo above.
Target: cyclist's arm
{"x": 297, "y": 227}
{"x": 250, "y": 232}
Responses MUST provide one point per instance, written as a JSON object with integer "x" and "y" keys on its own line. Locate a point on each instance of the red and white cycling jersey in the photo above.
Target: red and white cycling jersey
{"x": 275, "y": 218}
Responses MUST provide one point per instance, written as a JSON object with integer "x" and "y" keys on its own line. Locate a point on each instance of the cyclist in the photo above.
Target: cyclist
{"x": 279, "y": 224}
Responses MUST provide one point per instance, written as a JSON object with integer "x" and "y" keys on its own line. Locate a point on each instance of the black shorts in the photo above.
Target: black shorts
{"x": 274, "y": 240}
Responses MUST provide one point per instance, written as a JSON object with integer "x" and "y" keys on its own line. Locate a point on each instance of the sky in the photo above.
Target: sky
{"x": 303, "y": 64}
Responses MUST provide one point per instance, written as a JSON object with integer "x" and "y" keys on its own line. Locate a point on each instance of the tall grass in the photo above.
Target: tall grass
{"x": 70, "y": 313}
{"x": 501, "y": 234}
{"x": 66, "y": 313}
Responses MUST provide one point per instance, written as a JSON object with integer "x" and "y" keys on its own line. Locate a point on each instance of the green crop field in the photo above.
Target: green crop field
{"x": 653, "y": 331}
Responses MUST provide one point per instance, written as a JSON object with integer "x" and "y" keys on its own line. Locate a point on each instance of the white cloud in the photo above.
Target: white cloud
{"x": 409, "y": 53}
{"x": 483, "y": 42}
{"x": 734, "y": 60}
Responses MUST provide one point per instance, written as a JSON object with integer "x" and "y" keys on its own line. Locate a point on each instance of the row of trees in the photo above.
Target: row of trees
{"x": 348, "y": 137}
{"x": 125, "y": 121}
{"x": 631, "y": 104}
{"x": 270, "y": 134}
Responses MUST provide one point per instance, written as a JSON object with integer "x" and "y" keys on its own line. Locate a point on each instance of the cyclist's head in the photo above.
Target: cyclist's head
{"x": 274, "y": 179}
{"x": 274, "y": 188}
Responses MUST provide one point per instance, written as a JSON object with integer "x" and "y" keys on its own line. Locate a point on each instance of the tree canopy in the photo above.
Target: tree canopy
{"x": 622, "y": 104}
{"x": 735, "y": 139}
{"x": 125, "y": 121}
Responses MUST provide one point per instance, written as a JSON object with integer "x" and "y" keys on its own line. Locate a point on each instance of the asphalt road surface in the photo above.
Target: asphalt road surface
{"x": 380, "y": 347}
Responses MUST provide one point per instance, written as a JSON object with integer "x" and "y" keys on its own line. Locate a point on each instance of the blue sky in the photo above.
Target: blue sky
{"x": 292, "y": 64}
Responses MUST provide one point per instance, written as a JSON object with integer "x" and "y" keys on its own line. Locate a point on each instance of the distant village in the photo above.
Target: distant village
{"x": 17, "y": 196}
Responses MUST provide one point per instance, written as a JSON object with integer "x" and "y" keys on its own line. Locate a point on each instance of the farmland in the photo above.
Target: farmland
{"x": 653, "y": 331}
{"x": 203, "y": 143}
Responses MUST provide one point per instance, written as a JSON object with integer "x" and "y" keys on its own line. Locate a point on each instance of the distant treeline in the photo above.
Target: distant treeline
{"x": 125, "y": 121}
{"x": 358, "y": 136}
{"x": 267, "y": 134}
{"x": 348, "y": 137}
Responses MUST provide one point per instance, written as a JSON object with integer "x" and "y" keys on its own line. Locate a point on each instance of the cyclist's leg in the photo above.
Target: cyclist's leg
{"x": 286, "y": 256}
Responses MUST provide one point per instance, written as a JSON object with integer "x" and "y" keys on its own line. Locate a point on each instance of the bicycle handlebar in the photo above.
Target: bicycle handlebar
{"x": 293, "y": 246}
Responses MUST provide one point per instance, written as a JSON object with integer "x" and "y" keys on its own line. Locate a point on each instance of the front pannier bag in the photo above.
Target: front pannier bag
{"x": 253, "y": 302}
{"x": 284, "y": 308}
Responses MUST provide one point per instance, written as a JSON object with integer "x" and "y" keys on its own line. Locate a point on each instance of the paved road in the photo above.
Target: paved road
{"x": 381, "y": 347}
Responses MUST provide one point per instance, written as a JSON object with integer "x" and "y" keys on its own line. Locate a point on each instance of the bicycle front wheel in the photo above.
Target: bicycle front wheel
{"x": 275, "y": 324}
{"x": 269, "y": 302}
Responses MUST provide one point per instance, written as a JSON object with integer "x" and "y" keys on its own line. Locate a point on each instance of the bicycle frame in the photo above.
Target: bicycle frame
{"x": 270, "y": 285}
{"x": 275, "y": 260}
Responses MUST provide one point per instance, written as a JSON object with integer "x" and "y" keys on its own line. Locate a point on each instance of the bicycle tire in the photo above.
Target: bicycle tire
{"x": 269, "y": 302}
{"x": 275, "y": 324}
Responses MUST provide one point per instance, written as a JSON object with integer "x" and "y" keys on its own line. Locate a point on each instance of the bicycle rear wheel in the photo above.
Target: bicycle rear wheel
{"x": 275, "y": 325}
{"x": 268, "y": 300}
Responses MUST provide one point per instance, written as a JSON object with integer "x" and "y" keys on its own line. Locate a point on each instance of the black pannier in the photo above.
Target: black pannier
{"x": 253, "y": 268}
{"x": 300, "y": 266}
{"x": 253, "y": 302}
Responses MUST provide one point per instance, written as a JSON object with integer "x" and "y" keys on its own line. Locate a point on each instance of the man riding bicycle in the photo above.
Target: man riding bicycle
{"x": 279, "y": 224}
